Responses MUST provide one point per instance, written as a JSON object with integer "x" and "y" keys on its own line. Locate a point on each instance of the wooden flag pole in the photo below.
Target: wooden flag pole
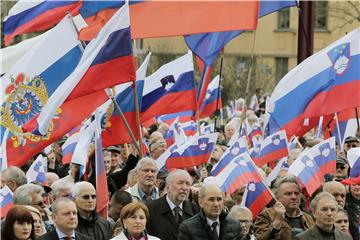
{"x": 218, "y": 94}
{"x": 136, "y": 102}
{"x": 111, "y": 95}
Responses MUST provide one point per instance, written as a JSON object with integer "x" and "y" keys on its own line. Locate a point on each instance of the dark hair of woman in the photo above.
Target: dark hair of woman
{"x": 18, "y": 214}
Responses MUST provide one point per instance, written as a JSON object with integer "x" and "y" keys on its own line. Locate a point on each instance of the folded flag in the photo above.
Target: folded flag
{"x": 314, "y": 88}
{"x": 196, "y": 151}
{"x": 272, "y": 148}
{"x": 6, "y": 200}
{"x": 238, "y": 172}
{"x": 212, "y": 101}
{"x": 37, "y": 171}
{"x": 104, "y": 64}
{"x": 282, "y": 164}
{"x": 236, "y": 149}
{"x": 29, "y": 16}
{"x": 169, "y": 118}
{"x": 325, "y": 155}
{"x": 68, "y": 147}
{"x": 256, "y": 196}
{"x": 307, "y": 171}
{"x": 170, "y": 89}
{"x": 102, "y": 199}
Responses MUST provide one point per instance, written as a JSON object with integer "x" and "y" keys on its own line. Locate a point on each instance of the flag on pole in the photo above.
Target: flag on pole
{"x": 237, "y": 148}
{"x": 212, "y": 101}
{"x": 6, "y": 201}
{"x": 68, "y": 147}
{"x": 29, "y": 16}
{"x": 307, "y": 171}
{"x": 102, "y": 194}
{"x": 238, "y": 172}
{"x": 37, "y": 171}
{"x": 256, "y": 196}
{"x": 325, "y": 155}
{"x": 104, "y": 64}
{"x": 314, "y": 88}
{"x": 272, "y": 148}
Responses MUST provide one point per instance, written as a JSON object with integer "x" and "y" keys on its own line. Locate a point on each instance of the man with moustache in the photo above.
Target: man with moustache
{"x": 167, "y": 212}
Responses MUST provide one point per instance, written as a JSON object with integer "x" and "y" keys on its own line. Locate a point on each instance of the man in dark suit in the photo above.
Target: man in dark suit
{"x": 65, "y": 220}
{"x": 211, "y": 222}
{"x": 167, "y": 212}
{"x": 325, "y": 208}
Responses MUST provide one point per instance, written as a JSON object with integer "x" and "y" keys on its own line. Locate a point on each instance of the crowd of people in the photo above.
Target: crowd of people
{"x": 150, "y": 203}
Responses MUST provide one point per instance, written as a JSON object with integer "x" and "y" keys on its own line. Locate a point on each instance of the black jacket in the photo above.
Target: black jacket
{"x": 197, "y": 228}
{"x": 352, "y": 205}
{"x": 97, "y": 227}
{"x": 52, "y": 235}
{"x": 162, "y": 222}
{"x": 120, "y": 177}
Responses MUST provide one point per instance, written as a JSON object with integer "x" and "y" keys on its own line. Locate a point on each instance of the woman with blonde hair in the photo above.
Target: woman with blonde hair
{"x": 39, "y": 227}
{"x": 133, "y": 217}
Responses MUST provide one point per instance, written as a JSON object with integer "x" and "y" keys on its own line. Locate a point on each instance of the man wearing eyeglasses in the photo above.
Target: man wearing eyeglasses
{"x": 90, "y": 223}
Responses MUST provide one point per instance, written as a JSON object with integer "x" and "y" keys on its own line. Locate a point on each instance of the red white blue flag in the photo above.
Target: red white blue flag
{"x": 256, "y": 196}
{"x": 238, "y": 172}
{"x": 307, "y": 171}
{"x": 324, "y": 154}
{"x": 6, "y": 200}
{"x": 170, "y": 89}
{"x": 37, "y": 171}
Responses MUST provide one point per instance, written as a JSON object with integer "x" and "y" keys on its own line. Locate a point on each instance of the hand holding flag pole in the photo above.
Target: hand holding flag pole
{"x": 109, "y": 92}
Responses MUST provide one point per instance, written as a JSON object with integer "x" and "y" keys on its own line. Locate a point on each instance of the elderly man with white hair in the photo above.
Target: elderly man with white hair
{"x": 145, "y": 189}
{"x": 13, "y": 177}
{"x": 90, "y": 223}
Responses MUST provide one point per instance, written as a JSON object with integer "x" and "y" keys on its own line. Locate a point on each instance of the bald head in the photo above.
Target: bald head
{"x": 211, "y": 200}
{"x": 336, "y": 189}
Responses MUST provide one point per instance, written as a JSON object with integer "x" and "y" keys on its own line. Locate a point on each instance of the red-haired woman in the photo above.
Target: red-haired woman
{"x": 18, "y": 224}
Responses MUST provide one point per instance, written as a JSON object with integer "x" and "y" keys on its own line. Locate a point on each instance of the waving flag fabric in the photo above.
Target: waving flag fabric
{"x": 212, "y": 101}
{"x": 282, "y": 164}
{"x": 102, "y": 198}
{"x": 170, "y": 89}
{"x": 324, "y": 154}
{"x": 238, "y": 172}
{"x": 37, "y": 170}
{"x": 197, "y": 150}
{"x": 257, "y": 195}
{"x": 354, "y": 161}
{"x": 207, "y": 46}
{"x": 175, "y": 134}
{"x": 307, "y": 171}
{"x": 116, "y": 131}
{"x": 3, "y": 153}
{"x": 106, "y": 62}
{"x": 239, "y": 147}
{"x": 189, "y": 128}
{"x": 272, "y": 148}
{"x": 315, "y": 87}
{"x": 184, "y": 17}
{"x": 169, "y": 118}
{"x": 6, "y": 201}
{"x": 29, "y": 16}
{"x": 68, "y": 147}
{"x": 256, "y": 131}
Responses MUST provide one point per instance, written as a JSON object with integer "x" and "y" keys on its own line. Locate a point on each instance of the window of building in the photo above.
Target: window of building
{"x": 284, "y": 18}
{"x": 321, "y": 15}
{"x": 282, "y": 67}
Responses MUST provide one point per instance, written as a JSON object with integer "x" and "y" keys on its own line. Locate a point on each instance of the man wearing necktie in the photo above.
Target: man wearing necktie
{"x": 64, "y": 215}
{"x": 211, "y": 222}
{"x": 167, "y": 212}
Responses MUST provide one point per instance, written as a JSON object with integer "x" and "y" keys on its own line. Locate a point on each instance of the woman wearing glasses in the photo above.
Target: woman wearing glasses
{"x": 133, "y": 217}
{"x": 18, "y": 224}
{"x": 245, "y": 218}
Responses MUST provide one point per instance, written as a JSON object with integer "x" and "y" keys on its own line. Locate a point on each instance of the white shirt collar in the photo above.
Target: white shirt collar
{"x": 172, "y": 205}
{"x": 61, "y": 235}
